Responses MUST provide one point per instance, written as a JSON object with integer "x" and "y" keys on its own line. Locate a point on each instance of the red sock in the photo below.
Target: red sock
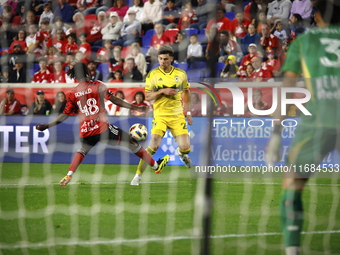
{"x": 77, "y": 159}
{"x": 144, "y": 155}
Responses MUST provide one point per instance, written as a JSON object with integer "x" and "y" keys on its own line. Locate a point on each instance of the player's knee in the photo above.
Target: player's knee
{"x": 154, "y": 143}
{"x": 184, "y": 148}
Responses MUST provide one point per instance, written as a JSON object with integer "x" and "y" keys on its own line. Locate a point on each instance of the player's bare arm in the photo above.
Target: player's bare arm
{"x": 122, "y": 103}
{"x": 149, "y": 96}
{"x": 61, "y": 118}
{"x": 188, "y": 105}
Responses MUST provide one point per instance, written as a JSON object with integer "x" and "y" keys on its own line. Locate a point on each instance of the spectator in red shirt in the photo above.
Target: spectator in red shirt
{"x": 104, "y": 53}
{"x": 159, "y": 39}
{"x": 139, "y": 100}
{"x": 258, "y": 104}
{"x": 43, "y": 75}
{"x": 188, "y": 16}
{"x": 59, "y": 41}
{"x": 195, "y": 103}
{"x": 94, "y": 33}
{"x": 261, "y": 73}
{"x": 247, "y": 75}
{"x": 83, "y": 5}
{"x": 269, "y": 41}
{"x": 239, "y": 26}
{"x": 220, "y": 22}
{"x": 35, "y": 41}
{"x": 252, "y": 48}
{"x": 10, "y": 105}
{"x": 21, "y": 36}
{"x": 71, "y": 45}
{"x": 84, "y": 47}
{"x": 59, "y": 76}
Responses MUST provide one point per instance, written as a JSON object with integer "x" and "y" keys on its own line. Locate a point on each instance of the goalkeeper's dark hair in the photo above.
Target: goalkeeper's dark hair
{"x": 166, "y": 49}
{"x": 329, "y": 10}
{"x": 79, "y": 71}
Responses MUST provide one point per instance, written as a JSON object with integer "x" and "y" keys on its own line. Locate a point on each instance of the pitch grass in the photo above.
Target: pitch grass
{"x": 38, "y": 216}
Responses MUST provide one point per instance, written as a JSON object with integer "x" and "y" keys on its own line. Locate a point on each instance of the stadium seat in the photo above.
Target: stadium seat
{"x": 182, "y": 65}
{"x": 171, "y": 33}
{"x": 230, "y": 15}
{"x": 219, "y": 67}
{"x": 104, "y": 69}
{"x": 30, "y": 72}
{"x": 146, "y": 39}
{"x": 196, "y": 74}
{"x": 190, "y": 31}
{"x": 202, "y": 37}
{"x": 36, "y": 67}
{"x": 199, "y": 65}
{"x": 145, "y": 50}
{"x": 95, "y": 48}
{"x": 204, "y": 48}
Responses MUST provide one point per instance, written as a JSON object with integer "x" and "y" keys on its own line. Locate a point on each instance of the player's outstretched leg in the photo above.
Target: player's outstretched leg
{"x": 184, "y": 157}
{"x": 77, "y": 159}
{"x": 162, "y": 163}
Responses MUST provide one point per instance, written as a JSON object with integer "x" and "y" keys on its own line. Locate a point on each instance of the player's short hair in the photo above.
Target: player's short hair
{"x": 166, "y": 49}
{"x": 194, "y": 35}
{"x": 329, "y": 10}
{"x": 79, "y": 71}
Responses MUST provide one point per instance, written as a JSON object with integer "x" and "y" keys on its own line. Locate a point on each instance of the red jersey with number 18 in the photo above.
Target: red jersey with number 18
{"x": 87, "y": 101}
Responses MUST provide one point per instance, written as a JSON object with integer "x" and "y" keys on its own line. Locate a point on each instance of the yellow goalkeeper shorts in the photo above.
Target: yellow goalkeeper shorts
{"x": 176, "y": 124}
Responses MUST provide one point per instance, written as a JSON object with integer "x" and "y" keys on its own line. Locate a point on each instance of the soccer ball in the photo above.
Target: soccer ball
{"x": 139, "y": 132}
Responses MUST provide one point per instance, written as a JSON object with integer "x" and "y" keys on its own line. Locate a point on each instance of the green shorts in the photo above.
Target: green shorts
{"x": 310, "y": 146}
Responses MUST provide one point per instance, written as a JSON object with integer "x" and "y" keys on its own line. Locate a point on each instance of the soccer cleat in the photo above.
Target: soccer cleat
{"x": 184, "y": 158}
{"x": 162, "y": 162}
{"x": 65, "y": 180}
{"x": 136, "y": 180}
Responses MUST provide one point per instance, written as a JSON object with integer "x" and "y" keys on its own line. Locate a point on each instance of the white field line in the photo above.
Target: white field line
{"x": 156, "y": 182}
{"x": 148, "y": 239}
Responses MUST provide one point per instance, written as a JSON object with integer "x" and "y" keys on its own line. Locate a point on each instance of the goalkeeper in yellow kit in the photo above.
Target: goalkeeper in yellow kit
{"x": 165, "y": 85}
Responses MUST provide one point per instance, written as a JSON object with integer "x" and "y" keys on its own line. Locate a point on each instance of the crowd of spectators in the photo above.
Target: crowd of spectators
{"x": 243, "y": 40}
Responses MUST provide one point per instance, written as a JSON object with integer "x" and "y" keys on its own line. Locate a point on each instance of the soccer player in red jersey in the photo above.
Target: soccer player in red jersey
{"x": 87, "y": 101}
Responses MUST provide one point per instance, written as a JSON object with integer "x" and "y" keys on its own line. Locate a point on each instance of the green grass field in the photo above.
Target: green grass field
{"x": 100, "y": 213}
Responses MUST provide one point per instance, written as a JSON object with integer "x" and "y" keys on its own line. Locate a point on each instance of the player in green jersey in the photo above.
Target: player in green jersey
{"x": 315, "y": 54}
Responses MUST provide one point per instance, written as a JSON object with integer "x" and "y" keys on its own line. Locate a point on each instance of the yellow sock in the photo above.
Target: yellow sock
{"x": 142, "y": 165}
{"x": 184, "y": 152}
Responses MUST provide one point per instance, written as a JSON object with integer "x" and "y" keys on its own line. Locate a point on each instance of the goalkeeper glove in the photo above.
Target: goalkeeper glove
{"x": 273, "y": 149}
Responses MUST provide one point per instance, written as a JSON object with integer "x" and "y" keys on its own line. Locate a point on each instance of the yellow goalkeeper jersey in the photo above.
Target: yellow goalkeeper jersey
{"x": 157, "y": 79}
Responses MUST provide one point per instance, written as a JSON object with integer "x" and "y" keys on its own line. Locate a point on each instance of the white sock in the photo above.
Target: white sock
{"x": 70, "y": 173}
{"x": 155, "y": 166}
{"x": 138, "y": 175}
{"x": 293, "y": 250}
